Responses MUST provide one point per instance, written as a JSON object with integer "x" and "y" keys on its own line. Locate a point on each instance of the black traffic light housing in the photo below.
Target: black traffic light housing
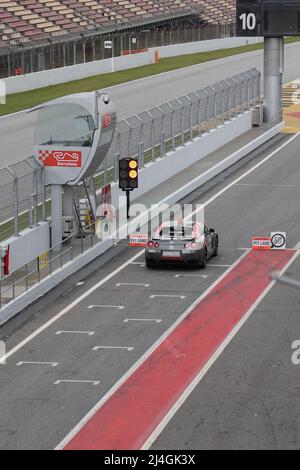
{"x": 128, "y": 174}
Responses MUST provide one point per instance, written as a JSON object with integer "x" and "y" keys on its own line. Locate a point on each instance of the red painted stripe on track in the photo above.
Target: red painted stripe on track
{"x": 132, "y": 413}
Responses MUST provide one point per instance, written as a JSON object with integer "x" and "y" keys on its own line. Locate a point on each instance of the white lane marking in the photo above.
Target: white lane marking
{"x": 52, "y": 364}
{"x": 134, "y": 258}
{"x": 270, "y": 185}
{"x": 156, "y": 320}
{"x": 127, "y": 348}
{"x": 218, "y": 265}
{"x": 94, "y": 382}
{"x": 211, "y": 361}
{"x": 132, "y": 284}
{"x": 144, "y": 357}
{"x": 202, "y": 276}
{"x": 89, "y": 333}
{"x": 80, "y": 283}
{"x": 153, "y": 296}
{"x": 70, "y": 306}
{"x": 119, "y": 307}
{"x": 138, "y": 263}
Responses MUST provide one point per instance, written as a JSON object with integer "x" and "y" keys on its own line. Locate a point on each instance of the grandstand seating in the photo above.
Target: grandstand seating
{"x": 26, "y": 20}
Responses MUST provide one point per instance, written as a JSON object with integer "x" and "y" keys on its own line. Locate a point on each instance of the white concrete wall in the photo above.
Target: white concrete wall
{"x": 30, "y": 245}
{"x": 45, "y": 78}
{"x": 204, "y": 46}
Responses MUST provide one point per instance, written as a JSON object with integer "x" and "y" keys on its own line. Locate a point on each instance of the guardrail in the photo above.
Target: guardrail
{"x": 149, "y": 135}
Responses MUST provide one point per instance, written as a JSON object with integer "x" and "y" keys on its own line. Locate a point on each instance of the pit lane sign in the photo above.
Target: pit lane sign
{"x": 261, "y": 243}
{"x": 277, "y": 241}
{"x": 138, "y": 240}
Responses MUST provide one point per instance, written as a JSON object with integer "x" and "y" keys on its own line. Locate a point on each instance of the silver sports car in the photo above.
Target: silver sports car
{"x": 179, "y": 242}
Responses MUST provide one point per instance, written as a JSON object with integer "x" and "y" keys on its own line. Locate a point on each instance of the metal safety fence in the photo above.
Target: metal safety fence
{"x": 25, "y": 200}
{"x": 154, "y": 132}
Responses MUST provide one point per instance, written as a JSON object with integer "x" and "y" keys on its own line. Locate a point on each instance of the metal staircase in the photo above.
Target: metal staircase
{"x": 85, "y": 206}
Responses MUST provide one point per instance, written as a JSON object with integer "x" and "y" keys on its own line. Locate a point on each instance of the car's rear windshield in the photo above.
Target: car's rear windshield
{"x": 177, "y": 232}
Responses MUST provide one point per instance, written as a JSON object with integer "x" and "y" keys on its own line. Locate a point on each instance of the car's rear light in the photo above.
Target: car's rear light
{"x": 191, "y": 245}
{"x": 150, "y": 244}
{"x": 156, "y": 245}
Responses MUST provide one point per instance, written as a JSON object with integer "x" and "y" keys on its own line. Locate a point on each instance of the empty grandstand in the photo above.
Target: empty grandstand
{"x": 28, "y": 25}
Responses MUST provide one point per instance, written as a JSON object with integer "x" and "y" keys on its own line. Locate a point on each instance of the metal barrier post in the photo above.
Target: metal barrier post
{"x": 181, "y": 123}
{"x": 162, "y": 135}
{"x": 222, "y": 106}
{"x": 16, "y": 189}
{"x": 191, "y": 119}
{"x": 30, "y": 211}
{"x": 152, "y": 138}
{"x": 141, "y": 155}
{"x": 173, "y": 129}
{"x": 116, "y": 166}
{"x": 162, "y": 144}
{"x": 199, "y": 116}
{"x": 215, "y": 109}
{"x": 141, "y": 143}
{"x": 35, "y": 210}
{"x": 242, "y": 92}
{"x": 129, "y": 139}
{"x": 44, "y": 214}
{"x": 26, "y": 277}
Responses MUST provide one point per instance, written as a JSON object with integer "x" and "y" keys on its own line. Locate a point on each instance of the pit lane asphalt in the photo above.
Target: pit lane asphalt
{"x": 36, "y": 413}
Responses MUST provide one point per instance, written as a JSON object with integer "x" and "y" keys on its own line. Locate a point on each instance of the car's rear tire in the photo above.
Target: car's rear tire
{"x": 149, "y": 263}
{"x": 203, "y": 260}
{"x": 216, "y": 248}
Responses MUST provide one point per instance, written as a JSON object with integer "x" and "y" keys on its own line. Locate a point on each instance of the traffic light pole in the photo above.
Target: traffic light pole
{"x": 128, "y": 202}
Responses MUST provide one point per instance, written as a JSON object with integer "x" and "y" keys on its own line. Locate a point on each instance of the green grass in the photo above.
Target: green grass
{"x": 25, "y": 100}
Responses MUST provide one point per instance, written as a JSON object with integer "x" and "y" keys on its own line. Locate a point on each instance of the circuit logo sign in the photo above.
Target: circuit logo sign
{"x": 2, "y": 92}
{"x": 60, "y": 158}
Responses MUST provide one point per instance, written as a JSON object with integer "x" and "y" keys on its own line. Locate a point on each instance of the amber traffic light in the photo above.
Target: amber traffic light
{"x": 128, "y": 174}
